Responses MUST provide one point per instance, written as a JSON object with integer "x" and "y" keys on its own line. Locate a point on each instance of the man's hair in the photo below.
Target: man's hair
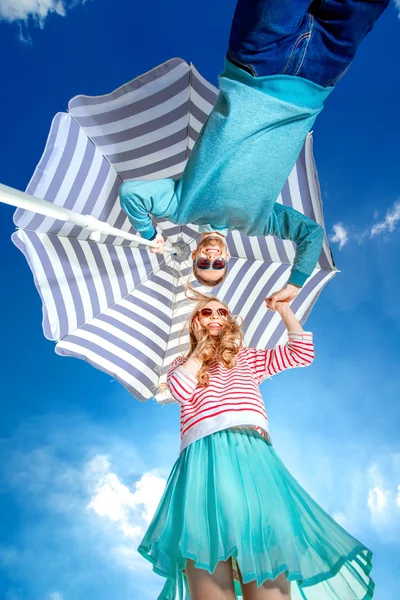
{"x": 197, "y": 274}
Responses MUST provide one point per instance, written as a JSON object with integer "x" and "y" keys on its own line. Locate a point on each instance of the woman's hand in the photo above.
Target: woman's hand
{"x": 159, "y": 240}
{"x": 198, "y": 331}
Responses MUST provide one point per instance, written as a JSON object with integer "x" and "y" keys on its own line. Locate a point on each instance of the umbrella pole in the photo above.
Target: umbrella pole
{"x": 13, "y": 197}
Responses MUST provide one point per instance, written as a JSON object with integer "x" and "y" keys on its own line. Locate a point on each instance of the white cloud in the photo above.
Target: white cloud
{"x": 390, "y": 223}
{"x": 38, "y": 10}
{"x": 397, "y": 4}
{"x": 55, "y": 467}
{"x": 358, "y": 488}
{"x": 130, "y": 511}
{"x": 340, "y": 235}
{"x": 382, "y": 502}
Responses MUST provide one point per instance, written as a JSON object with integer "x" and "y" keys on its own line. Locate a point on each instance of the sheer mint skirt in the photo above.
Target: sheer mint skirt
{"x": 229, "y": 495}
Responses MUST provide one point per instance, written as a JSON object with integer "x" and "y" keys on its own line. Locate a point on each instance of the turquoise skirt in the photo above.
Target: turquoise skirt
{"x": 230, "y": 495}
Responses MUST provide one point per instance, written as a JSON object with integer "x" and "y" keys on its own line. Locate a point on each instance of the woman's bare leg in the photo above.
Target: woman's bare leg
{"x": 206, "y": 586}
{"x": 276, "y": 589}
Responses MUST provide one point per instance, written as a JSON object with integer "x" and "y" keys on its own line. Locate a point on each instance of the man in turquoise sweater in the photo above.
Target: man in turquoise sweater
{"x": 283, "y": 60}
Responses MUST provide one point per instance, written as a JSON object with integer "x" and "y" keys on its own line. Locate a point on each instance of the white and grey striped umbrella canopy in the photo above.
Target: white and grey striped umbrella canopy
{"x": 118, "y": 306}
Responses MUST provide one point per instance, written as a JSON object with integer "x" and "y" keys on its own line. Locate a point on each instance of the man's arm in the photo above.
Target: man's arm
{"x": 143, "y": 199}
{"x": 289, "y": 224}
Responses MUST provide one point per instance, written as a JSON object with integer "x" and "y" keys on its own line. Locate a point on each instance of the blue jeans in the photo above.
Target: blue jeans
{"x": 317, "y": 41}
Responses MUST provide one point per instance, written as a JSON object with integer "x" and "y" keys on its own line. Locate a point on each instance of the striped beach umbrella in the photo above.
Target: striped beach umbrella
{"x": 109, "y": 301}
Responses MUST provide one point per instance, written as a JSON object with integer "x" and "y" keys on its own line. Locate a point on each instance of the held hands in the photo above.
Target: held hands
{"x": 284, "y": 296}
{"x": 159, "y": 240}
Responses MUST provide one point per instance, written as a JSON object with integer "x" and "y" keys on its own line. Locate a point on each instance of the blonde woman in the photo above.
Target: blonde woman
{"x": 231, "y": 512}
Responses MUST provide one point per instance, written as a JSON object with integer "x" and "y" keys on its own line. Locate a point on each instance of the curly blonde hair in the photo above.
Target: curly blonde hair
{"x": 224, "y": 349}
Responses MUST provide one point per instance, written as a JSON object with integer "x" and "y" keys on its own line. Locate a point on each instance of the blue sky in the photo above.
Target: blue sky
{"x": 83, "y": 462}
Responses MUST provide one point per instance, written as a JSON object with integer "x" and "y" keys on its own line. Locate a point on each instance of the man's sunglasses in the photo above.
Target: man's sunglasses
{"x": 207, "y": 312}
{"x": 217, "y": 264}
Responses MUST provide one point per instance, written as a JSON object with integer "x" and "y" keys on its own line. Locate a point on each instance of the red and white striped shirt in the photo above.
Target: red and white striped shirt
{"x": 232, "y": 397}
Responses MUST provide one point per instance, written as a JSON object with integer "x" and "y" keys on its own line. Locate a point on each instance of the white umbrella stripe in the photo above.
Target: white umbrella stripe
{"x": 83, "y": 106}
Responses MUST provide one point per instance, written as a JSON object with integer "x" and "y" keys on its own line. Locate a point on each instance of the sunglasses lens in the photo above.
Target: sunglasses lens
{"x": 206, "y": 312}
{"x": 219, "y": 263}
{"x": 223, "y": 312}
{"x": 203, "y": 263}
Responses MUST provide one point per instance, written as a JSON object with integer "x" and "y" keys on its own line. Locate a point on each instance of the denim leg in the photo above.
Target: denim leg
{"x": 317, "y": 41}
{"x": 267, "y": 34}
{"x": 339, "y": 27}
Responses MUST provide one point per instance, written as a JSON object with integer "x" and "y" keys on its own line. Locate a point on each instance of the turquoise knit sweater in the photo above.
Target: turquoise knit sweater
{"x": 238, "y": 166}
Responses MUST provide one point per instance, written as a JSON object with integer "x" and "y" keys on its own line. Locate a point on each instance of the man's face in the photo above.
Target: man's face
{"x": 211, "y": 246}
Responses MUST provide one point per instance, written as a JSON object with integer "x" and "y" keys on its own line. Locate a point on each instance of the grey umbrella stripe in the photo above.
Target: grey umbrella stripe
{"x": 270, "y": 278}
{"x": 142, "y": 129}
{"x": 307, "y": 201}
{"x": 203, "y": 91}
{"x": 135, "y": 108}
{"x": 134, "y": 84}
{"x": 173, "y": 230}
{"x": 308, "y": 287}
{"x": 261, "y": 271}
{"x": 131, "y": 259}
{"x": 105, "y": 173}
{"x": 138, "y": 318}
{"x": 17, "y": 241}
{"x": 167, "y": 285}
{"x": 149, "y": 149}
{"x": 193, "y": 135}
{"x": 266, "y": 290}
{"x": 172, "y": 159}
{"x": 146, "y": 260}
{"x": 118, "y": 271}
{"x": 87, "y": 275}
{"x": 155, "y": 295}
{"x": 180, "y": 349}
{"x": 175, "y": 335}
{"x": 154, "y": 167}
{"x": 109, "y": 205}
{"x": 54, "y": 286}
{"x": 262, "y": 243}
{"x": 78, "y": 308}
{"x": 136, "y": 336}
{"x": 190, "y": 230}
{"x": 74, "y": 192}
{"x": 59, "y": 175}
{"x": 131, "y": 255}
{"x": 197, "y": 113}
{"x": 81, "y": 354}
{"x": 103, "y": 273}
{"x": 248, "y": 247}
{"x": 280, "y": 247}
{"x": 113, "y": 358}
{"x": 130, "y": 348}
{"x": 81, "y": 176}
{"x": 230, "y": 241}
{"x": 149, "y": 307}
{"x": 94, "y": 194}
{"x": 286, "y": 195}
{"x": 239, "y": 275}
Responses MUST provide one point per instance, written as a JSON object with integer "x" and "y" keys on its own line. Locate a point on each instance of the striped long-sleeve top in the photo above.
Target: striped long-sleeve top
{"x": 232, "y": 397}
